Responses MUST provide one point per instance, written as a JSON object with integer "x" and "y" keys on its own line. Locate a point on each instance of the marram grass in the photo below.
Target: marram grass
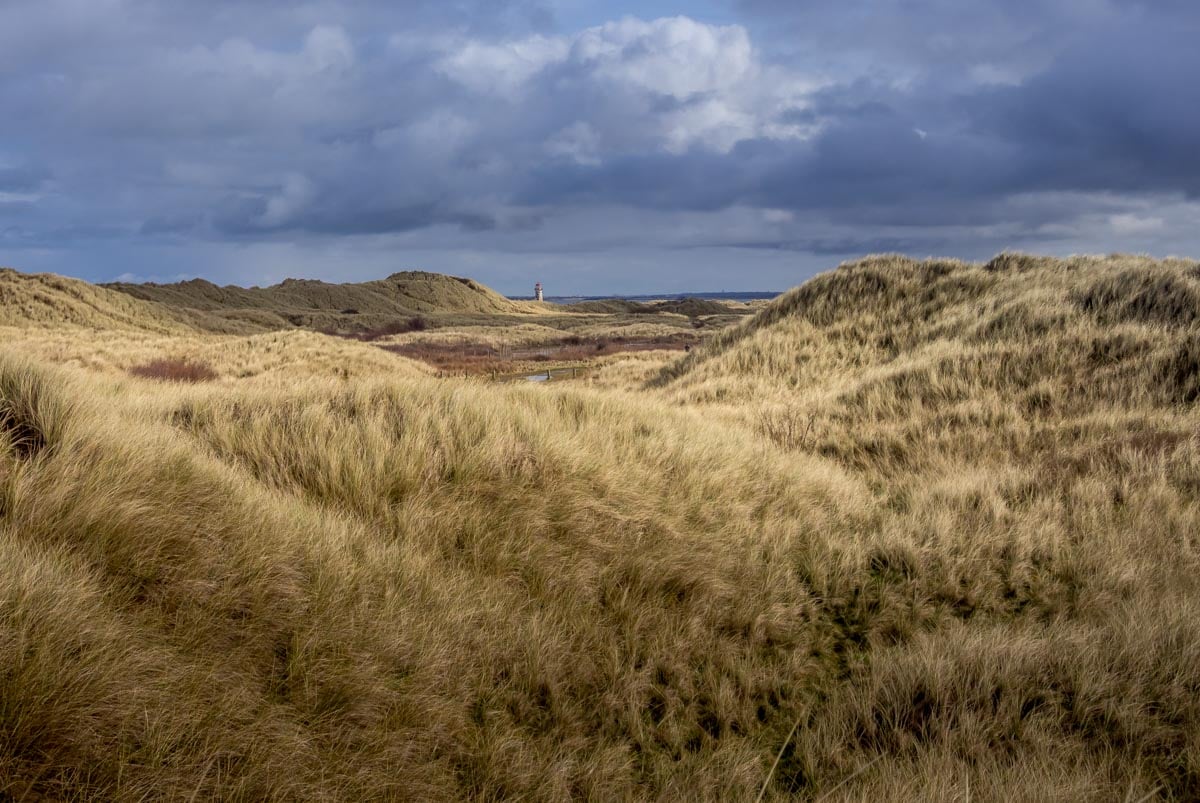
{"x": 917, "y": 530}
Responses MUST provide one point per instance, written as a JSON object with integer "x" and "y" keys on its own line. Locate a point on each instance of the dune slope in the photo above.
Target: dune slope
{"x": 1033, "y": 420}
{"x": 46, "y": 300}
{"x": 313, "y": 303}
{"x": 917, "y": 530}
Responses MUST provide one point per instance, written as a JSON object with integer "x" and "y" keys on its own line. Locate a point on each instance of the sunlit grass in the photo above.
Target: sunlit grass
{"x": 915, "y": 531}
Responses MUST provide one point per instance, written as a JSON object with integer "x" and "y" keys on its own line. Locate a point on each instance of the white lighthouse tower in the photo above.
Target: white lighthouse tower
{"x": 537, "y": 291}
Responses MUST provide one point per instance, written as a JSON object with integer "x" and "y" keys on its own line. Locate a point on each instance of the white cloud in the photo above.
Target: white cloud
{"x": 714, "y": 123}
{"x": 670, "y": 84}
{"x": 436, "y": 135}
{"x": 491, "y": 68}
{"x": 139, "y": 278}
{"x": 674, "y": 56}
{"x": 1131, "y": 224}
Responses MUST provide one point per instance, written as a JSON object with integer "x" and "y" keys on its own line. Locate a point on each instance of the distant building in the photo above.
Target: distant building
{"x": 537, "y": 291}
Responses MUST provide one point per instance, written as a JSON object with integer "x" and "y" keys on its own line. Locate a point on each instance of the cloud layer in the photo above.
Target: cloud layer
{"x": 253, "y": 141}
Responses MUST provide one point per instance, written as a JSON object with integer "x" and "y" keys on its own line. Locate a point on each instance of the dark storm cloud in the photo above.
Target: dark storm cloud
{"x": 251, "y": 217}
{"x": 22, "y": 179}
{"x": 864, "y": 162}
{"x": 1003, "y": 37}
{"x": 852, "y": 245}
{"x": 808, "y": 127}
{"x": 1121, "y": 113}
{"x": 1117, "y": 112}
{"x": 698, "y": 181}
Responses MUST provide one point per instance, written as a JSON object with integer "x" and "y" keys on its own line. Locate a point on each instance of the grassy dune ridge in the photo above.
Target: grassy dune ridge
{"x": 915, "y": 529}
{"x": 319, "y": 305}
{"x": 404, "y": 292}
{"x": 43, "y": 300}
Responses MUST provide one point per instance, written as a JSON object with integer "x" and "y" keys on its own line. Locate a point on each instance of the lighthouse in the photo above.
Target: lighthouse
{"x": 537, "y": 291}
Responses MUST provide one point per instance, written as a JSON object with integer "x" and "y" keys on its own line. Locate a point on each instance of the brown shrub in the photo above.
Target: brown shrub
{"x": 175, "y": 369}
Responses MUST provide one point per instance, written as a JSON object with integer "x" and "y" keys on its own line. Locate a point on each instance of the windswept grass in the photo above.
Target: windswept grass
{"x": 915, "y": 531}
{"x": 1033, "y": 418}
{"x": 273, "y": 358}
{"x": 405, "y": 575}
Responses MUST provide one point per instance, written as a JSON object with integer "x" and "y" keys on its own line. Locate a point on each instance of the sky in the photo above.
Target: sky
{"x": 597, "y": 147}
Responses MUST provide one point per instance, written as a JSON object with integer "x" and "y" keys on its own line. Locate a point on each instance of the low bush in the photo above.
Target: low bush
{"x": 175, "y": 369}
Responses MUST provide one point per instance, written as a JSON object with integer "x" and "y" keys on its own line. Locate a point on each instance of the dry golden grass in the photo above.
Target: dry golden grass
{"x": 421, "y": 588}
{"x": 1024, "y": 422}
{"x": 43, "y": 300}
{"x": 274, "y": 357}
{"x": 915, "y": 531}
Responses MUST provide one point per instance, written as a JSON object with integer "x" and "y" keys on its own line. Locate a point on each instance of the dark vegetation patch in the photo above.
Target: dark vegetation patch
{"x": 1010, "y": 262}
{"x": 484, "y": 358}
{"x": 693, "y": 307}
{"x": 417, "y": 323}
{"x": 175, "y": 369}
{"x": 18, "y": 425}
{"x": 1020, "y": 320}
{"x": 611, "y": 306}
{"x": 1179, "y": 373}
{"x": 1069, "y": 456}
{"x": 1004, "y": 697}
{"x": 1142, "y": 296}
{"x": 26, "y": 413}
{"x": 1117, "y": 347}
